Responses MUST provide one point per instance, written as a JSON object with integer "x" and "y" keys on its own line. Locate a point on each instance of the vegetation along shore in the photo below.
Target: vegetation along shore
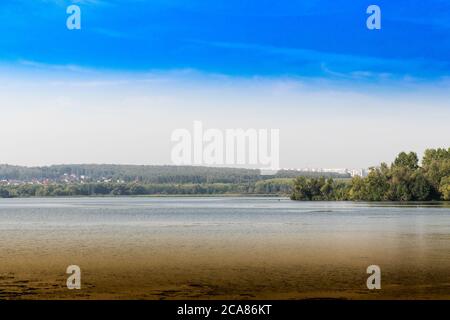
{"x": 404, "y": 180}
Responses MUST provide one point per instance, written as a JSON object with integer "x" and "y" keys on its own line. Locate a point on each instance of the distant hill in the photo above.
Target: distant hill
{"x": 146, "y": 174}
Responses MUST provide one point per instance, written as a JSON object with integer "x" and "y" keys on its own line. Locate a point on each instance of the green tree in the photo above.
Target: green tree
{"x": 445, "y": 188}
{"x": 421, "y": 188}
{"x": 407, "y": 160}
{"x": 4, "y": 193}
{"x": 302, "y": 189}
{"x": 436, "y": 166}
{"x": 376, "y": 185}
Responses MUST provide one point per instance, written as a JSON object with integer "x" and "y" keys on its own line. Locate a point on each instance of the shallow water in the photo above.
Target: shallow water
{"x": 170, "y": 248}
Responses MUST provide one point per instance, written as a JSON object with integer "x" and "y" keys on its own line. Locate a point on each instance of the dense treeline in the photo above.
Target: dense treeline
{"x": 148, "y": 174}
{"x": 271, "y": 186}
{"x": 403, "y": 180}
{"x": 130, "y": 173}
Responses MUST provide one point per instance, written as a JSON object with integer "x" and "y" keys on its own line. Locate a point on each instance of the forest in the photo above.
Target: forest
{"x": 102, "y": 180}
{"x": 264, "y": 187}
{"x": 146, "y": 174}
{"x": 403, "y": 180}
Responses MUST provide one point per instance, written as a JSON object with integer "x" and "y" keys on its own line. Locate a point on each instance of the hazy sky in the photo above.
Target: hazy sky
{"x": 112, "y": 92}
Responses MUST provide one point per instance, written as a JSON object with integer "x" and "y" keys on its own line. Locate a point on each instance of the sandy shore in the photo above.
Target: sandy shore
{"x": 197, "y": 270}
{"x": 221, "y": 249}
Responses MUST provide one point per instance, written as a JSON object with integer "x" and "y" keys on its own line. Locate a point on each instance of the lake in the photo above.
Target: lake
{"x": 222, "y": 248}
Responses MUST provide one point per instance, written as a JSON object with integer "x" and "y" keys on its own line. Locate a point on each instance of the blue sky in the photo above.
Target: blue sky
{"x": 315, "y": 38}
{"x": 114, "y": 91}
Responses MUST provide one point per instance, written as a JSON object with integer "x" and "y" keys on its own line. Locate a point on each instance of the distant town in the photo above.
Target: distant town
{"x": 65, "y": 179}
{"x": 15, "y": 179}
{"x": 344, "y": 171}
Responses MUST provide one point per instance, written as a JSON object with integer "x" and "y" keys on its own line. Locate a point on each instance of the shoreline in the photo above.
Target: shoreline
{"x": 230, "y": 195}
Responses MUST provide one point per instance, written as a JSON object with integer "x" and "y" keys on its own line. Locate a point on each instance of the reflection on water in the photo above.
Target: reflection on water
{"x": 222, "y": 248}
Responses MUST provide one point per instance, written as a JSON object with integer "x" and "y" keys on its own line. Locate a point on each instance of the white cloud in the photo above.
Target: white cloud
{"x": 128, "y": 118}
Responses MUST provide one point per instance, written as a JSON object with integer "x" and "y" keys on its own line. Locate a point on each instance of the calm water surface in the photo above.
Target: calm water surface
{"x": 222, "y": 248}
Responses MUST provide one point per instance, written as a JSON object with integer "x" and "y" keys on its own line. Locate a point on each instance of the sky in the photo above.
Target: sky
{"x": 342, "y": 95}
